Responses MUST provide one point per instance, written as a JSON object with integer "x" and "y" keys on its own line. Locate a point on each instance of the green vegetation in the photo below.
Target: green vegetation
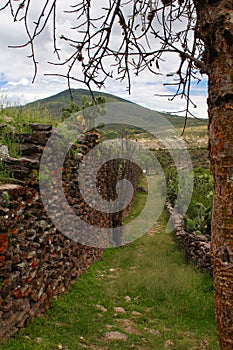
{"x": 199, "y": 214}
{"x": 4, "y": 173}
{"x": 195, "y": 131}
{"x": 139, "y": 201}
{"x": 16, "y": 119}
{"x": 192, "y": 124}
{"x": 198, "y": 217}
{"x": 54, "y": 105}
{"x": 87, "y": 112}
{"x": 165, "y": 300}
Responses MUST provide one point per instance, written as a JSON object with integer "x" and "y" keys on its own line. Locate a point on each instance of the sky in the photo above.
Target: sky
{"x": 16, "y": 73}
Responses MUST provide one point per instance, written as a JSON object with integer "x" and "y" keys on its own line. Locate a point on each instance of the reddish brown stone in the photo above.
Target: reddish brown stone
{"x": 39, "y": 261}
{"x": 3, "y": 241}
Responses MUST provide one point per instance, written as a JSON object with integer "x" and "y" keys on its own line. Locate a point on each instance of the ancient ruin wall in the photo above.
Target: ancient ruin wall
{"x": 196, "y": 248}
{"x": 36, "y": 260}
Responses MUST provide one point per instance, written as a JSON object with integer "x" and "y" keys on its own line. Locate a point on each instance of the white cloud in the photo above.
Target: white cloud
{"x": 22, "y": 82}
{"x": 16, "y": 70}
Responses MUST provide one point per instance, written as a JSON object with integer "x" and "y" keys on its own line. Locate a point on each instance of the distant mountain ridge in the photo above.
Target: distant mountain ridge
{"x": 55, "y": 103}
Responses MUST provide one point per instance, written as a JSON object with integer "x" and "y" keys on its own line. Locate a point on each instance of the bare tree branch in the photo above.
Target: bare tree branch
{"x": 149, "y": 29}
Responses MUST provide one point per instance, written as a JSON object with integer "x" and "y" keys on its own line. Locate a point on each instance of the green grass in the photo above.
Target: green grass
{"x": 174, "y": 299}
{"x": 139, "y": 201}
{"x": 16, "y": 120}
{"x": 21, "y": 117}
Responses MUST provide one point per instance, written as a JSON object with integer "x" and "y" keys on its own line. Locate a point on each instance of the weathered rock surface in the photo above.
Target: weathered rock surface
{"x": 38, "y": 262}
{"x": 115, "y": 335}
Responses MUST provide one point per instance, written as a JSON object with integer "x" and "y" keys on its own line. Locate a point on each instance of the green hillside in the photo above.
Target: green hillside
{"x": 55, "y": 103}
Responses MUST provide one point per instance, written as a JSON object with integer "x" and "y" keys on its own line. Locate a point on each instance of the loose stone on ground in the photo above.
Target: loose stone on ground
{"x": 115, "y": 335}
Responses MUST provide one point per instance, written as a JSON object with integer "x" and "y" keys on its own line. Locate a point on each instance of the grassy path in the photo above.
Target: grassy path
{"x": 143, "y": 294}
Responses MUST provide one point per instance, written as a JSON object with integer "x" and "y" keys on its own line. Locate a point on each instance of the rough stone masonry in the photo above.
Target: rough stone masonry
{"x": 37, "y": 262}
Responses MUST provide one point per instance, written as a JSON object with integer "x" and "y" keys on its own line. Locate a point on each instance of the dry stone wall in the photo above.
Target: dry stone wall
{"x": 36, "y": 260}
{"x": 196, "y": 247}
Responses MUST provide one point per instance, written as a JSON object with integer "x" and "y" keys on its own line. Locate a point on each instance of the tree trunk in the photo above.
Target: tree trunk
{"x": 215, "y": 28}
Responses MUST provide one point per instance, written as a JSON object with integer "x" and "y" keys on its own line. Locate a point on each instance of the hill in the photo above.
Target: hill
{"x": 55, "y": 103}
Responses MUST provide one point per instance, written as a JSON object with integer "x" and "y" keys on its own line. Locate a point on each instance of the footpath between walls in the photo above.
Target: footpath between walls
{"x": 38, "y": 262}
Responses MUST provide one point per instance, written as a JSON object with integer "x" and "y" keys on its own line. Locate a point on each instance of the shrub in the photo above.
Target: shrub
{"x": 198, "y": 217}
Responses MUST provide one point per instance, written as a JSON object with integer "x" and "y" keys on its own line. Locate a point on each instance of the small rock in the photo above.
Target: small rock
{"x": 119, "y": 310}
{"x": 109, "y": 326}
{"x": 168, "y": 343}
{"x": 125, "y": 322}
{"x": 115, "y": 335}
{"x": 136, "y": 313}
{"x": 38, "y": 340}
{"x": 127, "y": 298}
{"x": 101, "y": 308}
{"x": 4, "y": 152}
{"x": 131, "y": 330}
{"x": 41, "y": 127}
{"x": 8, "y": 119}
{"x": 132, "y": 268}
{"x": 9, "y": 186}
{"x": 60, "y": 324}
{"x": 201, "y": 238}
{"x": 27, "y": 337}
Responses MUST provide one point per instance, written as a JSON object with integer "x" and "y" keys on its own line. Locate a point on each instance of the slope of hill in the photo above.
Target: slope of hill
{"x": 55, "y": 103}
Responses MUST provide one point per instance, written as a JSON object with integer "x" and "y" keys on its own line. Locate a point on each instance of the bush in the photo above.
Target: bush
{"x": 198, "y": 217}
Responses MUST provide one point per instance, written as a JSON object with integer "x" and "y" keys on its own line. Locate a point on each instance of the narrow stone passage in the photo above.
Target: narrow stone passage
{"x": 142, "y": 296}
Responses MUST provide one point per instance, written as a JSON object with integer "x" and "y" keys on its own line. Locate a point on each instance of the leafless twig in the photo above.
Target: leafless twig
{"x": 118, "y": 39}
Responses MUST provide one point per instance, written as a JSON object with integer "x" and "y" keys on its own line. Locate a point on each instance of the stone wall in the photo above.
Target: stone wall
{"x": 36, "y": 260}
{"x": 196, "y": 247}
